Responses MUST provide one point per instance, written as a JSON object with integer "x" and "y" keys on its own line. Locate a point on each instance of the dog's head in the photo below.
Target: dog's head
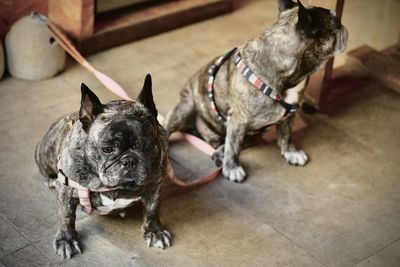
{"x": 319, "y": 29}
{"x": 299, "y": 42}
{"x": 122, "y": 144}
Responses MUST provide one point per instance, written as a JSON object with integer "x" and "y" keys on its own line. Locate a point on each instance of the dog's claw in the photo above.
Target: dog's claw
{"x": 237, "y": 174}
{"x": 158, "y": 238}
{"x": 66, "y": 247}
{"x": 167, "y": 234}
{"x": 298, "y": 158}
{"x": 149, "y": 240}
{"x": 167, "y": 238}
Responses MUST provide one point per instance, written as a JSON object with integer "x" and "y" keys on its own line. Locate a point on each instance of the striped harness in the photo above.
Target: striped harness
{"x": 253, "y": 79}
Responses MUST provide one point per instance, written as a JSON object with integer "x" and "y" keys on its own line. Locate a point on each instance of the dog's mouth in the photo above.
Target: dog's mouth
{"x": 127, "y": 183}
{"x": 121, "y": 177}
{"x": 128, "y": 169}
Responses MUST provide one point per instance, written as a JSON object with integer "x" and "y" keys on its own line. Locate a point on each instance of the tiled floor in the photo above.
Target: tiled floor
{"x": 342, "y": 209}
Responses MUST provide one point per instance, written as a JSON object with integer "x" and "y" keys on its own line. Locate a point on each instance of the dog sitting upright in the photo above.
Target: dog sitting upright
{"x": 106, "y": 158}
{"x": 259, "y": 84}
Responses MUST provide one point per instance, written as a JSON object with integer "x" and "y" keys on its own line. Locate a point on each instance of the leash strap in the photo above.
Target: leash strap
{"x": 111, "y": 85}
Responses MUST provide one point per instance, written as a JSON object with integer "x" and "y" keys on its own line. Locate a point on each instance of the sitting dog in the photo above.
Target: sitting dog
{"x": 259, "y": 84}
{"x": 106, "y": 158}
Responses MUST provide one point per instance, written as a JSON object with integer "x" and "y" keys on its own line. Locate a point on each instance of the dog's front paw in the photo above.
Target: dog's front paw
{"x": 158, "y": 238}
{"x": 66, "y": 245}
{"x": 296, "y": 157}
{"x": 235, "y": 174}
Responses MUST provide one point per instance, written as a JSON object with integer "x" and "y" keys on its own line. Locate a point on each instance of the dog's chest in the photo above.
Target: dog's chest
{"x": 292, "y": 95}
{"x": 109, "y": 204}
{"x": 267, "y": 114}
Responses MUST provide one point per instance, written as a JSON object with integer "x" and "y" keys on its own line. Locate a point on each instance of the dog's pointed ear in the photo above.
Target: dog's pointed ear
{"x": 146, "y": 96}
{"x": 90, "y": 107}
{"x": 304, "y": 18}
{"x": 285, "y": 4}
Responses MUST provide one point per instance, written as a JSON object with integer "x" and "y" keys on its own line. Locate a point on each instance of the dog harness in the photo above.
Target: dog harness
{"x": 253, "y": 79}
{"x": 83, "y": 192}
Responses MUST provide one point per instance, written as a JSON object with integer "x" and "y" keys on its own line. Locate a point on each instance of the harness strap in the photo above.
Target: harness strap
{"x": 83, "y": 192}
{"x": 253, "y": 79}
{"x": 289, "y": 108}
{"x": 263, "y": 87}
{"x": 212, "y": 71}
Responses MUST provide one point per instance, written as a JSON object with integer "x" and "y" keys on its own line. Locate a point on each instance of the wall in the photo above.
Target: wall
{"x": 12, "y": 10}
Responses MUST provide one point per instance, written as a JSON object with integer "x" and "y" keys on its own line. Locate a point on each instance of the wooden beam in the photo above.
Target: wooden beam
{"x": 150, "y": 21}
{"x": 383, "y": 68}
{"x": 76, "y": 17}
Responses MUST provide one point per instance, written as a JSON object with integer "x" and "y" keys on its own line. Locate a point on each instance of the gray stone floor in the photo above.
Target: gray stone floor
{"x": 342, "y": 209}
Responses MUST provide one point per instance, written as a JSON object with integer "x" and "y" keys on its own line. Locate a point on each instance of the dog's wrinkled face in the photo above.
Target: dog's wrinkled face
{"x": 120, "y": 148}
{"x": 122, "y": 139}
{"x": 319, "y": 29}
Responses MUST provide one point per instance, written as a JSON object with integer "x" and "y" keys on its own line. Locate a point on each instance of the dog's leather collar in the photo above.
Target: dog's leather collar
{"x": 253, "y": 79}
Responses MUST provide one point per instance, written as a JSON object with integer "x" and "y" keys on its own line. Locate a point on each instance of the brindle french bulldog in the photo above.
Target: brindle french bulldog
{"x": 119, "y": 146}
{"x": 282, "y": 57}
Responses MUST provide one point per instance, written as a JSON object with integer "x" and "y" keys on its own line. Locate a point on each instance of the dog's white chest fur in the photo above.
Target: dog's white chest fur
{"x": 292, "y": 95}
{"x": 119, "y": 203}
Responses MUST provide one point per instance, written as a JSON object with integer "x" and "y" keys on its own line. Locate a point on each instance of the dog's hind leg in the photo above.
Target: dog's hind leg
{"x": 218, "y": 155}
{"x": 177, "y": 117}
{"x": 209, "y": 135}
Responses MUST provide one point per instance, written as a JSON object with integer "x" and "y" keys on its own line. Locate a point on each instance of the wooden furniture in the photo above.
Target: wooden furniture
{"x": 318, "y": 86}
{"x": 382, "y": 66}
{"x": 92, "y": 34}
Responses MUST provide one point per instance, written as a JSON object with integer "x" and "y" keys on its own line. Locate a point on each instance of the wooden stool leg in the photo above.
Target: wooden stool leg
{"x": 317, "y": 89}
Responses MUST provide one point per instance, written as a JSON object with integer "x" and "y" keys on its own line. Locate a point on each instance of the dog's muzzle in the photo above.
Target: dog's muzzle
{"x": 129, "y": 162}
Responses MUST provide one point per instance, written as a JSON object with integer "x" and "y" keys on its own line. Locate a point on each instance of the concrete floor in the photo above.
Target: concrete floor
{"x": 342, "y": 209}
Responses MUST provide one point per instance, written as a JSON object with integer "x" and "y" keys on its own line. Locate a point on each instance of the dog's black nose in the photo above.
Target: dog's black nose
{"x": 128, "y": 162}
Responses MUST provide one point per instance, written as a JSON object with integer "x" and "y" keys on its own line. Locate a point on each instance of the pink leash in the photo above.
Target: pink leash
{"x": 111, "y": 85}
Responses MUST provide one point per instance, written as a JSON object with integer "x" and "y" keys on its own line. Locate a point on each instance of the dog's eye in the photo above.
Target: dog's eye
{"x": 107, "y": 149}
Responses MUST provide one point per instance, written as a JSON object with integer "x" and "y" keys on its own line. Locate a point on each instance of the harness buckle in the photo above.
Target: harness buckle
{"x": 289, "y": 108}
{"x": 61, "y": 178}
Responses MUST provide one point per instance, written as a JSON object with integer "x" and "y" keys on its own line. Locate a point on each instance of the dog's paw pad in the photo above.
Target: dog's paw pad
{"x": 159, "y": 239}
{"x": 236, "y": 174}
{"x": 296, "y": 157}
{"x": 218, "y": 160}
{"x": 66, "y": 248}
{"x": 218, "y": 156}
